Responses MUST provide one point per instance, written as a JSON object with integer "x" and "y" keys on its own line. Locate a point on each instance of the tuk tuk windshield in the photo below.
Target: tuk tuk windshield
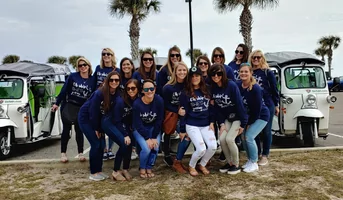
{"x": 11, "y": 88}
{"x": 304, "y": 77}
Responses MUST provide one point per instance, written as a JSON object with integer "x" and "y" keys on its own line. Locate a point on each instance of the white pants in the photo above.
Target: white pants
{"x": 201, "y": 136}
{"x": 228, "y": 144}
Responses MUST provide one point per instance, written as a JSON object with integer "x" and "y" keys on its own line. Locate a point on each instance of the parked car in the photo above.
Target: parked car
{"x": 336, "y": 84}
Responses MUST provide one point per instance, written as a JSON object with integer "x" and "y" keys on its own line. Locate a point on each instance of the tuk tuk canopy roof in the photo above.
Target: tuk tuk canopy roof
{"x": 284, "y": 58}
{"x": 33, "y": 69}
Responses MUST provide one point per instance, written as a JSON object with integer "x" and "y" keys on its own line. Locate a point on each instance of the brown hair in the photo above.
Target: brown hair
{"x": 216, "y": 68}
{"x": 126, "y": 97}
{"x": 105, "y": 89}
{"x": 204, "y": 57}
{"x": 221, "y": 51}
{"x": 121, "y": 66}
{"x": 169, "y": 64}
{"x": 189, "y": 89}
{"x": 245, "y": 53}
{"x": 141, "y": 70}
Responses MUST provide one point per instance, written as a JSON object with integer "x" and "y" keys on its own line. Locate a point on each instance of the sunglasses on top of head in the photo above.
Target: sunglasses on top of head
{"x": 131, "y": 88}
{"x": 175, "y": 55}
{"x": 218, "y": 56}
{"x": 82, "y": 65}
{"x": 217, "y": 73}
{"x": 147, "y": 89}
{"x": 148, "y": 59}
{"x": 106, "y": 54}
{"x": 239, "y": 52}
{"x": 117, "y": 80}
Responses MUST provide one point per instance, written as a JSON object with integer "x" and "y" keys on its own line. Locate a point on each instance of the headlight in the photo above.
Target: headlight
{"x": 331, "y": 99}
{"x": 3, "y": 111}
{"x": 311, "y": 99}
{"x": 287, "y": 100}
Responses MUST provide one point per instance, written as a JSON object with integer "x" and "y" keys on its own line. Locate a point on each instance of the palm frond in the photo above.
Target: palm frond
{"x": 263, "y": 4}
{"x": 223, "y": 6}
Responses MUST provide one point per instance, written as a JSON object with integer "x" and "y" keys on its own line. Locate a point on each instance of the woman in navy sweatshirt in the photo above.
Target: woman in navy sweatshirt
{"x": 165, "y": 73}
{"x": 241, "y": 56}
{"x": 99, "y": 105}
{"x": 171, "y": 96}
{"x": 147, "y": 68}
{"x": 266, "y": 79}
{"x": 204, "y": 63}
{"x": 148, "y": 113}
{"x": 230, "y": 114}
{"x": 74, "y": 93}
{"x": 198, "y": 121}
{"x": 107, "y": 64}
{"x": 126, "y": 71}
{"x": 218, "y": 57}
{"x": 258, "y": 114}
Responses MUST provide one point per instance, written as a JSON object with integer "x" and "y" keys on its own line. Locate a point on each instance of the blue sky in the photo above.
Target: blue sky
{"x": 37, "y": 29}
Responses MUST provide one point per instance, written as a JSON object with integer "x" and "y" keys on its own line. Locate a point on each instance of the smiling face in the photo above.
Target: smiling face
{"x": 148, "y": 90}
{"x": 196, "y": 78}
{"x": 256, "y": 59}
{"x": 131, "y": 90}
{"x": 114, "y": 81}
{"x": 239, "y": 53}
{"x": 203, "y": 64}
{"x": 106, "y": 56}
{"x": 181, "y": 72}
{"x": 218, "y": 57}
{"x": 217, "y": 76}
{"x": 244, "y": 73}
{"x": 83, "y": 66}
{"x": 126, "y": 67}
{"x": 175, "y": 56}
{"x": 147, "y": 60}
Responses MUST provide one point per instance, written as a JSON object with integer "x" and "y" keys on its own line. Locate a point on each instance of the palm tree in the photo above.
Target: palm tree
{"x": 138, "y": 10}
{"x": 196, "y": 54}
{"x": 72, "y": 60}
{"x": 57, "y": 60}
{"x": 245, "y": 19}
{"x": 321, "y": 52}
{"x": 10, "y": 59}
{"x": 153, "y": 51}
{"x": 329, "y": 43}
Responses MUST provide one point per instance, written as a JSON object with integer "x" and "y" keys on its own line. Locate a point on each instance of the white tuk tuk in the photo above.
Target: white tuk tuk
{"x": 27, "y": 92}
{"x": 304, "y": 96}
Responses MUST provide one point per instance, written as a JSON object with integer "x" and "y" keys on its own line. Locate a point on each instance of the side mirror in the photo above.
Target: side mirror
{"x": 41, "y": 92}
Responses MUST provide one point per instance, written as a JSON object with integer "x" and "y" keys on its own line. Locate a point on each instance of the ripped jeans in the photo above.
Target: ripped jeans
{"x": 201, "y": 136}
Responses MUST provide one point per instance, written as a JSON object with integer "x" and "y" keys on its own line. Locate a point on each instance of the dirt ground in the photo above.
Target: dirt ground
{"x": 297, "y": 175}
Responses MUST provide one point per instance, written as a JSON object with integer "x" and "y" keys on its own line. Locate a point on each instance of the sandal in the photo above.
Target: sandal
{"x": 203, "y": 169}
{"x": 117, "y": 176}
{"x": 127, "y": 175}
{"x": 143, "y": 174}
{"x": 64, "y": 158}
{"x": 150, "y": 174}
{"x": 193, "y": 171}
{"x": 81, "y": 157}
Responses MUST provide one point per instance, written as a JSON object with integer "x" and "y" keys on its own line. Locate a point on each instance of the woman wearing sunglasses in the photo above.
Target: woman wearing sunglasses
{"x": 171, "y": 96}
{"x": 203, "y": 62}
{"x": 118, "y": 126}
{"x": 218, "y": 57}
{"x": 241, "y": 56}
{"x": 198, "y": 121}
{"x": 258, "y": 114}
{"x": 147, "y": 68}
{"x": 76, "y": 90}
{"x": 230, "y": 114}
{"x": 148, "y": 113}
{"x": 266, "y": 79}
{"x": 99, "y": 105}
{"x": 165, "y": 73}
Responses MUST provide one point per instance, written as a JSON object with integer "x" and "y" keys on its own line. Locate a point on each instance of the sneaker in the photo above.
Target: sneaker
{"x": 96, "y": 177}
{"x": 134, "y": 155}
{"x": 253, "y": 167}
{"x": 110, "y": 155}
{"x": 103, "y": 175}
{"x": 175, "y": 135}
{"x": 177, "y": 166}
{"x": 222, "y": 158}
{"x": 225, "y": 168}
{"x": 105, "y": 157}
{"x": 81, "y": 157}
{"x": 168, "y": 160}
{"x": 234, "y": 170}
{"x": 246, "y": 164}
{"x": 64, "y": 157}
{"x": 263, "y": 161}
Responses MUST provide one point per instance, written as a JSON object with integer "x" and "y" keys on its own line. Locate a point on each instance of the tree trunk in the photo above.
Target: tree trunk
{"x": 330, "y": 60}
{"x": 246, "y": 26}
{"x": 134, "y": 38}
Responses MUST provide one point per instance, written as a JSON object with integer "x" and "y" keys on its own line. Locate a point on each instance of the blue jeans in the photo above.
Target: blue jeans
{"x": 124, "y": 152}
{"x": 110, "y": 144}
{"x": 248, "y": 139}
{"x": 97, "y": 148}
{"x": 147, "y": 156}
{"x": 182, "y": 148}
{"x": 267, "y": 134}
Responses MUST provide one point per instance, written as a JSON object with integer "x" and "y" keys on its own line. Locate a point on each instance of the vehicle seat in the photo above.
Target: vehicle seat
{"x": 32, "y": 102}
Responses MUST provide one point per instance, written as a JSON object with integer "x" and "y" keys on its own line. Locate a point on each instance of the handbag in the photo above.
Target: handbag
{"x": 70, "y": 112}
{"x": 170, "y": 122}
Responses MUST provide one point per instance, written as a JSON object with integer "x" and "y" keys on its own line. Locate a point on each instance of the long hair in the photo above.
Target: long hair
{"x": 218, "y": 68}
{"x": 141, "y": 70}
{"x": 221, "y": 51}
{"x": 126, "y": 97}
{"x": 204, "y": 57}
{"x": 173, "y": 79}
{"x": 105, "y": 89}
{"x": 169, "y": 63}
{"x": 263, "y": 61}
{"x": 189, "y": 89}
{"x": 252, "y": 79}
{"x": 113, "y": 58}
{"x": 121, "y": 66}
{"x": 245, "y": 53}
{"x": 90, "y": 71}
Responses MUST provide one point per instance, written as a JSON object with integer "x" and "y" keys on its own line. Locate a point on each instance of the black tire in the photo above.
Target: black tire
{"x": 4, "y": 152}
{"x": 308, "y": 134}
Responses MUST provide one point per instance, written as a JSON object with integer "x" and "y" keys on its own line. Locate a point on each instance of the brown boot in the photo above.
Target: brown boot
{"x": 177, "y": 165}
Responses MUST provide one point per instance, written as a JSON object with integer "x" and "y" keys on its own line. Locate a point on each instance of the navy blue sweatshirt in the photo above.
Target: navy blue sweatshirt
{"x": 148, "y": 116}
{"x": 76, "y": 89}
{"x": 228, "y": 104}
{"x": 123, "y": 82}
{"x": 171, "y": 96}
{"x": 137, "y": 75}
{"x": 100, "y": 74}
{"x": 198, "y": 110}
{"x": 235, "y": 68}
{"x": 266, "y": 79}
{"x": 92, "y": 111}
{"x": 122, "y": 116}
{"x": 253, "y": 102}
{"x": 229, "y": 73}
{"x": 162, "y": 78}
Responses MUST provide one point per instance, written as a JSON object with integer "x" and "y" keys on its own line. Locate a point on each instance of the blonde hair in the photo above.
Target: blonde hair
{"x": 173, "y": 79}
{"x": 263, "y": 61}
{"x": 169, "y": 64}
{"x": 113, "y": 58}
{"x": 252, "y": 79}
{"x": 90, "y": 71}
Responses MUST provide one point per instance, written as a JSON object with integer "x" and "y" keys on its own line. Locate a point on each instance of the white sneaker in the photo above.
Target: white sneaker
{"x": 175, "y": 135}
{"x": 253, "y": 167}
{"x": 134, "y": 155}
{"x": 246, "y": 164}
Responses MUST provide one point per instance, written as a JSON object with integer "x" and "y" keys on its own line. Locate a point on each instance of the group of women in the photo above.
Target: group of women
{"x": 207, "y": 102}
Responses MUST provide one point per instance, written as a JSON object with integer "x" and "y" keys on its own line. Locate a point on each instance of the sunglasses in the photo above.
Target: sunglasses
{"x": 203, "y": 63}
{"x": 106, "y": 54}
{"x": 147, "y": 89}
{"x": 174, "y": 55}
{"x": 218, "y": 55}
{"x": 239, "y": 52}
{"x": 256, "y": 57}
{"x": 217, "y": 73}
{"x": 131, "y": 88}
{"x": 117, "y": 80}
{"x": 148, "y": 59}
{"x": 82, "y": 65}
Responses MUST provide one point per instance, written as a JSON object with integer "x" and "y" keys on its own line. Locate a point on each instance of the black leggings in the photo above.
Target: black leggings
{"x": 166, "y": 145}
{"x": 66, "y": 135}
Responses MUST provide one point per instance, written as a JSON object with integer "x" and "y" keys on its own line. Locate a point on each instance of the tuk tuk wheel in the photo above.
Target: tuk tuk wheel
{"x": 5, "y": 149}
{"x": 308, "y": 134}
